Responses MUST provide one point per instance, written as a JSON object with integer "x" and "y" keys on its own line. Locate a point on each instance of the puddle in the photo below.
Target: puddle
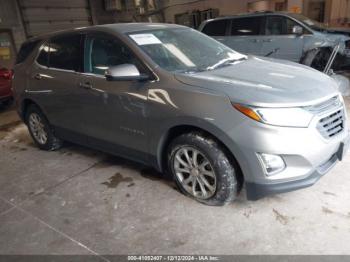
{"x": 116, "y": 179}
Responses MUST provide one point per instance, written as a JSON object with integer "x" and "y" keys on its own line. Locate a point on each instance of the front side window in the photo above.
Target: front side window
{"x": 309, "y": 22}
{"x": 102, "y": 52}
{"x": 215, "y": 28}
{"x": 279, "y": 25}
{"x": 185, "y": 50}
{"x": 64, "y": 52}
{"x": 246, "y": 26}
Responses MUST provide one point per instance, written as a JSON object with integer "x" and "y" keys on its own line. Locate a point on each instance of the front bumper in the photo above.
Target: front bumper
{"x": 257, "y": 191}
{"x": 308, "y": 155}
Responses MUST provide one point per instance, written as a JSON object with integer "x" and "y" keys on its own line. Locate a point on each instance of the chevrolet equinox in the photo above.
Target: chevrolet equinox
{"x": 173, "y": 98}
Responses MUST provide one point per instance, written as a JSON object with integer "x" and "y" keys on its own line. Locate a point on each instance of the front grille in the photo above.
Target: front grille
{"x": 332, "y": 125}
{"x": 325, "y": 106}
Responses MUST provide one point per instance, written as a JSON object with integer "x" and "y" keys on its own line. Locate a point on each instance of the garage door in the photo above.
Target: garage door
{"x": 43, "y": 16}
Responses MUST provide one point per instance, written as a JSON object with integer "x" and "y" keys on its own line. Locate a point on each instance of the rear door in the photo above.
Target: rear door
{"x": 279, "y": 41}
{"x": 245, "y": 35}
{"x": 54, "y": 82}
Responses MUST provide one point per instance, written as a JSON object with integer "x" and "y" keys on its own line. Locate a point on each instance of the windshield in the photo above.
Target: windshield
{"x": 309, "y": 22}
{"x": 184, "y": 50}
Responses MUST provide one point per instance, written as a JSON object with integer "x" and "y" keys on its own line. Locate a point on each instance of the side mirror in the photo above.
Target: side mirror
{"x": 298, "y": 30}
{"x": 125, "y": 72}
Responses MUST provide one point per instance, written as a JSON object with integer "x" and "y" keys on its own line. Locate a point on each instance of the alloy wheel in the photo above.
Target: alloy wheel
{"x": 194, "y": 172}
{"x": 37, "y": 128}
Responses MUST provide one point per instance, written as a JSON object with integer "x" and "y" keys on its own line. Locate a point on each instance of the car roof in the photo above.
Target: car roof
{"x": 254, "y": 14}
{"x": 121, "y": 28}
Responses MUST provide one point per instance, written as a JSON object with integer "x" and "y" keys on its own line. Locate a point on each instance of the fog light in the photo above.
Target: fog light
{"x": 272, "y": 164}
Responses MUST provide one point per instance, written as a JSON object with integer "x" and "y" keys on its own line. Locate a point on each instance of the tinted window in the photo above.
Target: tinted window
{"x": 43, "y": 58}
{"x": 65, "y": 52}
{"x": 246, "y": 26}
{"x": 215, "y": 28}
{"x": 26, "y": 50}
{"x": 102, "y": 52}
{"x": 279, "y": 25}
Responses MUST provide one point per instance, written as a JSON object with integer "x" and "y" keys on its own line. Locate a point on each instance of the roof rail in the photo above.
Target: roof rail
{"x": 263, "y": 12}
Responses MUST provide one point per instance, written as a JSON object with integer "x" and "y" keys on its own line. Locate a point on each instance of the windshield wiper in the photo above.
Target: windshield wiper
{"x": 226, "y": 61}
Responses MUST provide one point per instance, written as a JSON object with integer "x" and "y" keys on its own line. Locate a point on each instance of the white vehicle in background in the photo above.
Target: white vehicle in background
{"x": 281, "y": 35}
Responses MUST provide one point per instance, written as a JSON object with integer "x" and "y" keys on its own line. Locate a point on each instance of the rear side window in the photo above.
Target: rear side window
{"x": 215, "y": 28}
{"x": 246, "y": 26}
{"x": 26, "y": 50}
{"x": 43, "y": 58}
{"x": 65, "y": 52}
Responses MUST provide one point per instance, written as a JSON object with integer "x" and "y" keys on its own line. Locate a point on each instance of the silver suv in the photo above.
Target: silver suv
{"x": 173, "y": 98}
{"x": 281, "y": 35}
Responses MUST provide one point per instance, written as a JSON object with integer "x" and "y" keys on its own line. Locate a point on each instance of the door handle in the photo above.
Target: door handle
{"x": 86, "y": 85}
{"x": 255, "y": 40}
{"x": 268, "y": 40}
{"x": 38, "y": 77}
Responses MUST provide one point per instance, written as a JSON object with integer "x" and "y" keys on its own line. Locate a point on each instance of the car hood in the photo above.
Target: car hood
{"x": 266, "y": 82}
{"x": 344, "y": 31}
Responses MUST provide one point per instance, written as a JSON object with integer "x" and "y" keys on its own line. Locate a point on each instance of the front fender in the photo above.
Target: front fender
{"x": 159, "y": 143}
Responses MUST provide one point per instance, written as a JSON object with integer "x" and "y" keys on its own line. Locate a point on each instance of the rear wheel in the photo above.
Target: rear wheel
{"x": 40, "y": 130}
{"x": 202, "y": 170}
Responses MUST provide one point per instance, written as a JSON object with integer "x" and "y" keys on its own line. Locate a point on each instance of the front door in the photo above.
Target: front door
{"x": 279, "y": 40}
{"x": 116, "y": 111}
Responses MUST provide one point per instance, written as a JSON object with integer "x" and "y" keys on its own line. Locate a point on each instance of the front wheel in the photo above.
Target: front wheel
{"x": 202, "y": 169}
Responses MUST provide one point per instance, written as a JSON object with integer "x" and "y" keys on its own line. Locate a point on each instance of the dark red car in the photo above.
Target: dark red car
{"x": 5, "y": 86}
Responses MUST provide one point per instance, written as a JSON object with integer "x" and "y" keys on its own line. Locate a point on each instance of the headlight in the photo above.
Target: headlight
{"x": 287, "y": 117}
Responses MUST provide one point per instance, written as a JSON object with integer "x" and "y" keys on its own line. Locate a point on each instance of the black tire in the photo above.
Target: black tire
{"x": 317, "y": 58}
{"x": 227, "y": 186}
{"x": 52, "y": 143}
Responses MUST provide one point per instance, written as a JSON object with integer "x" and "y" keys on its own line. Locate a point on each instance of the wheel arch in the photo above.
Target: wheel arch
{"x": 25, "y": 105}
{"x": 178, "y": 130}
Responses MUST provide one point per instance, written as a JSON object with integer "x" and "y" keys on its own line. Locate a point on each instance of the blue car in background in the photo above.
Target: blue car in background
{"x": 281, "y": 35}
